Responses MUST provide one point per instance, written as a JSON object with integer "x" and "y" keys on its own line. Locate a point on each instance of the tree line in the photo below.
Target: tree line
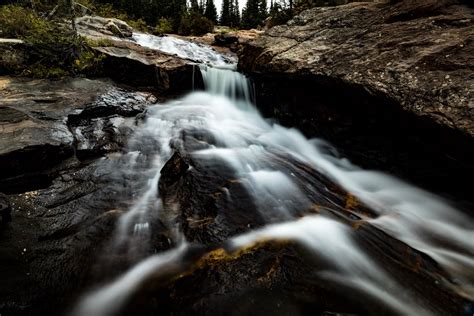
{"x": 187, "y": 17}
{"x": 253, "y": 14}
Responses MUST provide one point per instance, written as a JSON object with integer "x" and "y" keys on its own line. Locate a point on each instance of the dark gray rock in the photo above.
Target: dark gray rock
{"x": 225, "y": 39}
{"x": 5, "y": 209}
{"x": 45, "y": 123}
{"x": 64, "y": 203}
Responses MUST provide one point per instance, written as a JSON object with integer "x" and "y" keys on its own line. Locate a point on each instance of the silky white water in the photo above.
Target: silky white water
{"x": 247, "y": 144}
{"x": 199, "y": 53}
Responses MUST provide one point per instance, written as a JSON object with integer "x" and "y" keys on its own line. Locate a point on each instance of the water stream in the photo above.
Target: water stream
{"x": 249, "y": 144}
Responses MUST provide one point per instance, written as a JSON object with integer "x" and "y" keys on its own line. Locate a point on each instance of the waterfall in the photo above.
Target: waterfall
{"x": 248, "y": 145}
{"x": 222, "y": 81}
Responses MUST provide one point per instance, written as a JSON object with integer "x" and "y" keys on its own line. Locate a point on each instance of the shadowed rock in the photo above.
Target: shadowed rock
{"x": 5, "y": 209}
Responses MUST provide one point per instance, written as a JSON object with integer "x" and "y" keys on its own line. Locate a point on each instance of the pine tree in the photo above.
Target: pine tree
{"x": 225, "y": 13}
{"x": 235, "y": 14}
{"x": 262, "y": 10}
{"x": 211, "y": 11}
{"x": 174, "y": 10}
{"x": 202, "y": 7}
{"x": 254, "y": 13}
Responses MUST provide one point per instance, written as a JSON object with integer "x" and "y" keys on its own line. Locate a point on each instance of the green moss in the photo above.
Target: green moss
{"x": 89, "y": 62}
{"x": 102, "y": 42}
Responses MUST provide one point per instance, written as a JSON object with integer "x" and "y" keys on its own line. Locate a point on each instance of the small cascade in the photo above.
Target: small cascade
{"x": 196, "y": 52}
{"x": 225, "y": 82}
{"x": 251, "y": 146}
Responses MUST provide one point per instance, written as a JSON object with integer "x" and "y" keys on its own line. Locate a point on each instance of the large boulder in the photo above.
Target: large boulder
{"x": 211, "y": 206}
{"x": 416, "y": 53}
{"x": 136, "y": 65}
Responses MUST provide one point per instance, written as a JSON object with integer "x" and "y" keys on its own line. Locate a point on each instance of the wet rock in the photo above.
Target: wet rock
{"x": 206, "y": 212}
{"x": 281, "y": 278}
{"x": 56, "y": 232}
{"x": 30, "y": 145}
{"x": 44, "y": 123}
{"x": 213, "y": 204}
{"x": 174, "y": 169}
{"x": 135, "y": 65}
{"x": 102, "y": 135}
{"x": 104, "y": 125}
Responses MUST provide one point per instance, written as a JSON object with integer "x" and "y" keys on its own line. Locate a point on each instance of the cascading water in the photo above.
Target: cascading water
{"x": 250, "y": 145}
{"x": 199, "y": 53}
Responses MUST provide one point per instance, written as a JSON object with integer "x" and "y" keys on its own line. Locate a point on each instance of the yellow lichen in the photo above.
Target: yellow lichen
{"x": 351, "y": 202}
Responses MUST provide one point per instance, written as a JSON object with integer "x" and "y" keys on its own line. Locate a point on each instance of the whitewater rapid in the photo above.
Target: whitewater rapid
{"x": 247, "y": 142}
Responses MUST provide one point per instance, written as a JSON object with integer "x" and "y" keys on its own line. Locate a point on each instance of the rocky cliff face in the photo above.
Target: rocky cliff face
{"x": 395, "y": 78}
